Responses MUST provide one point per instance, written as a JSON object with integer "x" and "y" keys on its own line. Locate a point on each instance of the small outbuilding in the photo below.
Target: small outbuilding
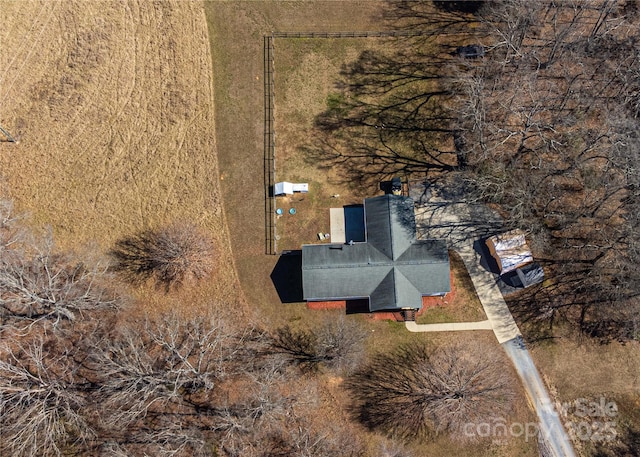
{"x": 510, "y": 250}
{"x": 288, "y": 188}
{"x": 514, "y": 259}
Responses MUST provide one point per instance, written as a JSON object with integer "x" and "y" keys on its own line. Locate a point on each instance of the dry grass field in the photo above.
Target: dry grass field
{"x": 112, "y": 104}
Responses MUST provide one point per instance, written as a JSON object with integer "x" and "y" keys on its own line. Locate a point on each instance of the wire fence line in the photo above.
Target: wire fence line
{"x": 271, "y": 234}
{"x": 347, "y": 34}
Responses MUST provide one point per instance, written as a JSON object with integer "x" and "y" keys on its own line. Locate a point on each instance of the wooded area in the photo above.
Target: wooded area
{"x": 78, "y": 376}
{"x": 543, "y": 127}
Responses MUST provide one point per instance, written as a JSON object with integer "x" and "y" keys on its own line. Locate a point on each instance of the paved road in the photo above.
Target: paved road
{"x": 553, "y": 433}
{"x": 461, "y": 224}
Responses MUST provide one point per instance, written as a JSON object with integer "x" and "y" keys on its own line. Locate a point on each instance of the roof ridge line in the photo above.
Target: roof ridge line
{"x": 391, "y": 237}
{"x": 371, "y": 246}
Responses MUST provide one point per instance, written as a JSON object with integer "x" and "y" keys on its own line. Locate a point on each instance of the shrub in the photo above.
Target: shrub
{"x": 170, "y": 255}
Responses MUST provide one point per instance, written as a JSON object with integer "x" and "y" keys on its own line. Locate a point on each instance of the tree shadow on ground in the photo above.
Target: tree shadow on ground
{"x": 467, "y": 6}
{"x": 391, "y": 114}
{"x": 369, "y": 144}
{"x": 456, "y": 18}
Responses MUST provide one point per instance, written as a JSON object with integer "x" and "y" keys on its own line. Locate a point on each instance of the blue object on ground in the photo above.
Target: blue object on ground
{"x": 292, "y": 211}
{"x": 279, "y": 211}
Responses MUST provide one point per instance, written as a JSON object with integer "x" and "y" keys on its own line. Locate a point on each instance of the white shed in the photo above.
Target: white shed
{"x": 287, "y": 188}
{"x": 283, "y": 188}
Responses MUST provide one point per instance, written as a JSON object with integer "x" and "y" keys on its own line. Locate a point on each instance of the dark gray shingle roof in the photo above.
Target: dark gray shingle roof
{"x": 392, "y": 269}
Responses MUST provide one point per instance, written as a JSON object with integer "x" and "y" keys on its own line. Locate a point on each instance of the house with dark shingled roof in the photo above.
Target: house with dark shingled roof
{"x": 391, "y": 268}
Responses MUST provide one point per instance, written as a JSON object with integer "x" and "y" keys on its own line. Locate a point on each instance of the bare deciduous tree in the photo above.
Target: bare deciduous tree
{"x": 414, "y": 391}
{"x": 11, "y": 231}
{"x": 37, "y": 283}
{"x": 170, "y": 255}
{"x": 336, "y": 343}
{"x": 167, "y": 363}
{"x": 41, "y": 404}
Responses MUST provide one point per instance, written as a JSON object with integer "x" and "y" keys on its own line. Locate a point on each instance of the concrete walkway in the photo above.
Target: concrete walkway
{"x": 448, "y": 326}
{"x": 502, "y": 322}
